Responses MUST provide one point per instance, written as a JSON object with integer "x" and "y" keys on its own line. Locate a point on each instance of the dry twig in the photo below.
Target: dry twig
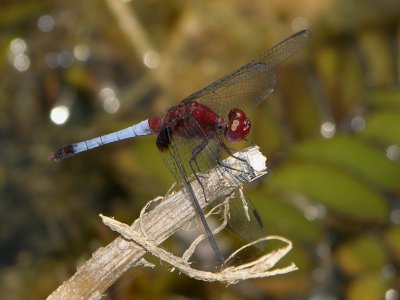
{"x": 153, "y": 227}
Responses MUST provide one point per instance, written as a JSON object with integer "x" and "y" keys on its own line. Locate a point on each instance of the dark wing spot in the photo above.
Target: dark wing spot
{"x": 164, "y": 139}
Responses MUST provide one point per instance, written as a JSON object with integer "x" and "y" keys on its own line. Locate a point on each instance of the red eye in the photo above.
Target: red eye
{"x": 236, "y": 112}
{"x": 238, "y": 127}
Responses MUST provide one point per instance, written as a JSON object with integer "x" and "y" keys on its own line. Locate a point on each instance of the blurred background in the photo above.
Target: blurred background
{"x": 72, "y": 70}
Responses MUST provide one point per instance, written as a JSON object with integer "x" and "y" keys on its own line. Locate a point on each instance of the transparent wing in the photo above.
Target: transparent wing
{"x": 252, "y": 83}
{"x": 180, "y": 160}
{"x": 188, "y": 158}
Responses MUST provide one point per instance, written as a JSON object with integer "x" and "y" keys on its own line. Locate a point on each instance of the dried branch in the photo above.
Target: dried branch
{"x": 258, "y": 268}
{"x": 109, "y": 263}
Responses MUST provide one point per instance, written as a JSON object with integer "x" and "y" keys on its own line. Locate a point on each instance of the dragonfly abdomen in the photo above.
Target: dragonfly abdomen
{"x": 141, "y": 129}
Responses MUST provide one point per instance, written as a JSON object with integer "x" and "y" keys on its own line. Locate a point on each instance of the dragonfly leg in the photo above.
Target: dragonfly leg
{"x": 194, "y": 166}
{"x": 230, "y": 153}
{"x": 248, "y": 141}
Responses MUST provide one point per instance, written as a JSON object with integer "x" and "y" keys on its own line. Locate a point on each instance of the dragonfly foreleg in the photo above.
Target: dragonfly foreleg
{"x": 230, "y": 153}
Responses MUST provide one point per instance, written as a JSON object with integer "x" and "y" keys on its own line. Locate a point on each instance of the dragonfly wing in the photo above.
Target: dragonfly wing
{"x": 185, "y": 168}
{"x": 245, "y": 90}
{"x": 180, "y": 152}
{"x": 185, "y": 162}
{"x": 252, "y": 83}
{"x": 244, "y": 218}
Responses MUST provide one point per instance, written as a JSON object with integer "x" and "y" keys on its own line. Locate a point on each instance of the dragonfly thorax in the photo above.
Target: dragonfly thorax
{"x": 189, "y": 120}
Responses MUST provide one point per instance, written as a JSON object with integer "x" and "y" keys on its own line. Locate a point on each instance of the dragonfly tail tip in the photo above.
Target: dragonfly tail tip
{"x": 52, "y": 156}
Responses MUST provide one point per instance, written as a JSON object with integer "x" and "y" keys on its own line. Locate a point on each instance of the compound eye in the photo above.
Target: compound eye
{"x": 238, "y": 129}
{"x": 236, "y": 113}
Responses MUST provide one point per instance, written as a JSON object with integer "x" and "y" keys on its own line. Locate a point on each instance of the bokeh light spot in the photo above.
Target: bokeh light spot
{"x": 328, "y": 130}
{"x": 393, "y": 152}
{"x": 46, "y": 23}
{"x": 22, "y": 62}
{"x": 81, "y": 52}
{"x": 111, "y": 103}
{"x": 151, "y": 59}
{"x": 392, "y": 295}
{"x": 59, "y": 114}
{"x": 395, "y": 216}
{"x": 357, "y": 124}
{"x": 18, "y": 46}
{"x": 65, "y": 59}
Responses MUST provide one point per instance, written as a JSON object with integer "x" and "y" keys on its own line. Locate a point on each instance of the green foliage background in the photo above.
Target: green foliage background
{"x": 336, "y": 198}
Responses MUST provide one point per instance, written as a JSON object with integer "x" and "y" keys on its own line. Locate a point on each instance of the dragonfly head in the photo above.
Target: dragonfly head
{"x": 238, "y": 125}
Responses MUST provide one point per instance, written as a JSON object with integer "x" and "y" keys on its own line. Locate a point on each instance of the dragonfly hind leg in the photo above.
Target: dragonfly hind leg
{"x": 194, "y": 166}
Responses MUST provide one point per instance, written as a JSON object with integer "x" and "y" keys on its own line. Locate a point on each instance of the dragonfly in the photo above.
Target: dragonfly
{"x": 193, "y": 134}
